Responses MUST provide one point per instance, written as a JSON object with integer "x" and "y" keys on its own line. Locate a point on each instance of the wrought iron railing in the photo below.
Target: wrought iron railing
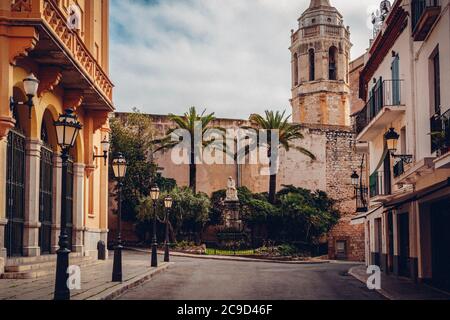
{"x": 362, "y": 199}
{"x": 387, "y": 94}
{"x": 399, "y": 168}
{"x": 440, "y": 133}
{"x": 46, "y": 199}
{"x": 418, "y": 7}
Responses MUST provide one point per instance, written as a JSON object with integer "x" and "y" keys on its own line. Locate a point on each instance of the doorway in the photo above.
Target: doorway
{"x": 440, "y": 249}
{"x": 46, "y": 199}
{"x": 390, "y": 262}
{"x": 403, "y": 237}
{"x": 378, "y": 241}
{"x": 15, "y": 193}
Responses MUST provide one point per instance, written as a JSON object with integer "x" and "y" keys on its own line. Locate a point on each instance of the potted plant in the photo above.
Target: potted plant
{"x": 441, "y": 139}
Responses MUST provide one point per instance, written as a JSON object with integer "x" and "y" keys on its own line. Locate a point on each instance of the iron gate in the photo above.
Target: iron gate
{"x": 46, "y": 199}
{"x": 15, "y": 193}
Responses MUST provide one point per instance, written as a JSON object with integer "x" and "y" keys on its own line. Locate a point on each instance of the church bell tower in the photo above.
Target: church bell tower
{"x": 320, "y": 51}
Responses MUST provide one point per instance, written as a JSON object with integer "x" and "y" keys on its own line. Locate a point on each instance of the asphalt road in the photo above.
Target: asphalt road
{"x": 200, "y": 279}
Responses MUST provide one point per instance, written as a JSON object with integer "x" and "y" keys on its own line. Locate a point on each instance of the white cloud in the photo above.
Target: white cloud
{"x": 229, "y": 56}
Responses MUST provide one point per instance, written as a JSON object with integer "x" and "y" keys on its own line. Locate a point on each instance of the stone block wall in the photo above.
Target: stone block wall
{"x": 356, "y": 67}
{"x": 341, "y": 161}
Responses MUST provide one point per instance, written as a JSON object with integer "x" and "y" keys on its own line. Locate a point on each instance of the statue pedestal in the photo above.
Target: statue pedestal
{"x": 231, "y": 215}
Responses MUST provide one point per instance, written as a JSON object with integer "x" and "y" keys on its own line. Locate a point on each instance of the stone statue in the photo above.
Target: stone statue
{"x": 231, "y": 190}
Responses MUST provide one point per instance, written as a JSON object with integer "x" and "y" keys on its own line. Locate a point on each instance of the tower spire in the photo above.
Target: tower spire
{"x": 319, "y": 3}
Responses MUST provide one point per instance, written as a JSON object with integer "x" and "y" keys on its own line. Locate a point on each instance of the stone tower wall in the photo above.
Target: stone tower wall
{"x": 322, "y": 100}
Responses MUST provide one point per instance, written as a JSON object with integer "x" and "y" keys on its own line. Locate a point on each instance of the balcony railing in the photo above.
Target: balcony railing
{"x": 379, "y": 186}
{"x": 399, "y": 168}
{"x": 362, "y": 199}
{"x": 440, "y": 133}
{"x": 423, "y": 14}
{"x": 387, "y": 94}
{"x": 55, "y": 17}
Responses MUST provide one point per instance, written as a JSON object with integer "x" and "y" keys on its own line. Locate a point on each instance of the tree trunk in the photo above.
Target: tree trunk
{"x": 272, "y": 188}
{"x": 272, "y": 180}
{"x": 193, "y": 174}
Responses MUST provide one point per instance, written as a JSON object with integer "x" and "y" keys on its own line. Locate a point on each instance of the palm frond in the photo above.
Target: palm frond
{"x": 306, "y": 152}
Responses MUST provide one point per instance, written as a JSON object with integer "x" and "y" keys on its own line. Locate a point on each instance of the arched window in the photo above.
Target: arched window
{"x": 312, "y": 65}
{"x": 332, "y": 63}
{"x": 296, "y": 75}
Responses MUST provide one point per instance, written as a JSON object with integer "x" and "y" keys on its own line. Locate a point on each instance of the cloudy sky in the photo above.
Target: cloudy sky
{"x": 228, "y": 56}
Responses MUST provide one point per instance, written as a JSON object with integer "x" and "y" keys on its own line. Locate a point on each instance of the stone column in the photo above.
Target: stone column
{"x": 78, "y": 207}
{"x": 32, "y": 174}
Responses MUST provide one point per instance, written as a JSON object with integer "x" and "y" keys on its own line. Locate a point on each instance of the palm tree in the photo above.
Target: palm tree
{"x": 287, "y": 134}
{"x": 187, "y": 122}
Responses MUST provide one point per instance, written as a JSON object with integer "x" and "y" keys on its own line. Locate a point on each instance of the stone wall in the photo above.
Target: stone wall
{"x": 356, "y": 67}
{"x": 341, "y": 161}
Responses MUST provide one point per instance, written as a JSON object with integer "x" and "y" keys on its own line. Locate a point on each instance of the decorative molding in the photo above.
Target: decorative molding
{"x": 57, "y": 21}
{"x": 100, "y": 120}
{"x": 89, "y": 169}
{"x": 73, "y": 99}
{"x": 49, "y": 78}
{"x": 6, "y": 123}
{"x": 22, "y": 41}
{"x": 21, "y": 5}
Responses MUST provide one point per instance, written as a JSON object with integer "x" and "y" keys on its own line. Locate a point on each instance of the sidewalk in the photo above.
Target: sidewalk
{"x": 95, "y": 280}
{"x": 230, "y": 258}
{"x": 397, "y": 288}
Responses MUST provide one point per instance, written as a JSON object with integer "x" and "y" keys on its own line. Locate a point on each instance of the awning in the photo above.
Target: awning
{"x": 417, "y": 195}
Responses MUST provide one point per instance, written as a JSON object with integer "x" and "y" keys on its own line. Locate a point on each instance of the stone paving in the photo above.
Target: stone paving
{"x": 200, "y": 279}
{"x": 398, "y": 288}
{"x": 95, "y": 280}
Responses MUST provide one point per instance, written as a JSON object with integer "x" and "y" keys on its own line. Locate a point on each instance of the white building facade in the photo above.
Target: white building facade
{"x": 405, "y": 86}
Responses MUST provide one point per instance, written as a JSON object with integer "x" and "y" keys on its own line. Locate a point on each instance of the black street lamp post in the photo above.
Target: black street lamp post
{"x": 168, "y": 201}
{"x": 67, "y": 128}
{"x": 119, "y": 166}
{"x": 154, "y": 194}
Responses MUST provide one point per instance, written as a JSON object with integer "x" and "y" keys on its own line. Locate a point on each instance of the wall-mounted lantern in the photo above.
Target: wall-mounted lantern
{"x": 30, "y": 85}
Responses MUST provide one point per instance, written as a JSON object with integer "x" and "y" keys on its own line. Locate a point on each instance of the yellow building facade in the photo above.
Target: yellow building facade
{"x": 64, "y": 44}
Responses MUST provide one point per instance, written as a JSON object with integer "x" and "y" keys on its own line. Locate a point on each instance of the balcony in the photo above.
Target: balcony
{"x": 379, "y": 185}
{"x": 362, "y": 199}
{"x": 411, "y": 173}
{"x": 384, "y": 106}
{"x": 440, "y": 139}
{"x": 316, "y": 30}
{"x": 399, "y": 168}
{"x": 424, "y": 15}
{"x": 64, "y": 48}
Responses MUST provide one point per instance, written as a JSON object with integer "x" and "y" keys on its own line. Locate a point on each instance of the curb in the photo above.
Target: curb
{"x": 113, "y": 293}
{"x": 230, "y": 258}
{"x": 363, "y": 280}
